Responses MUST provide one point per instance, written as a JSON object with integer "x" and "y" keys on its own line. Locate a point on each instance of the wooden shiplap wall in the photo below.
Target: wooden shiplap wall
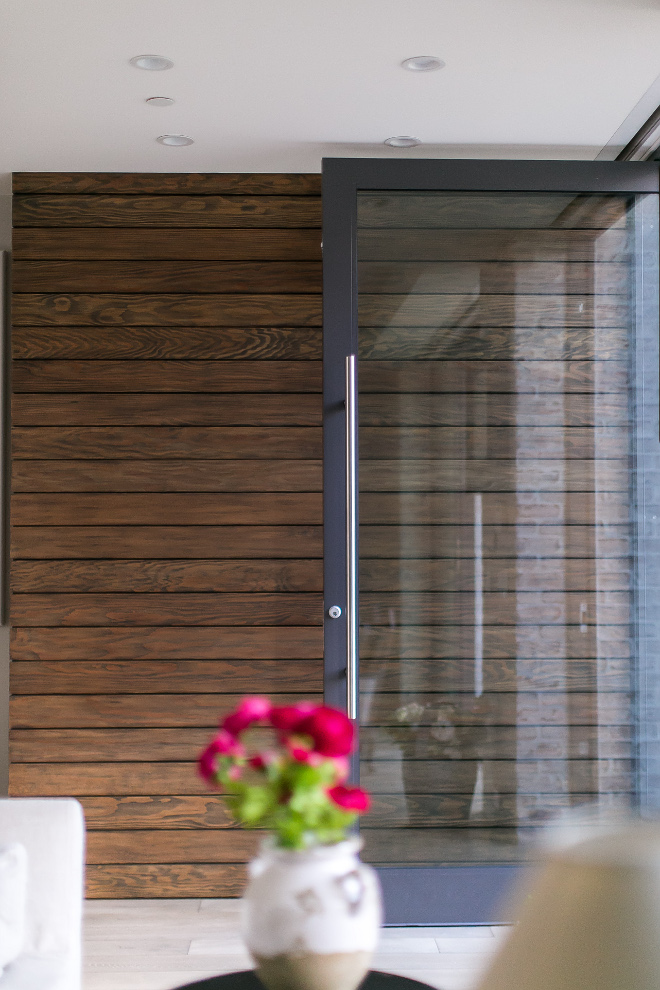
{"x": 166, "y": 508}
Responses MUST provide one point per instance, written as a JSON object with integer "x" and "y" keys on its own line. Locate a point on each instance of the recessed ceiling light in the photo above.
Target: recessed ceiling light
{"x": 423, "y": 63}
{"x": 174, "y": 140}
{"x": 154, "y": 63}
{"x": 159, "y": 101}
{"x": 402, "y": 141}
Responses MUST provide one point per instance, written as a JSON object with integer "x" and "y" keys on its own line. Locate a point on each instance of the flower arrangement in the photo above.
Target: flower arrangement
{"x": 297, "y": 789}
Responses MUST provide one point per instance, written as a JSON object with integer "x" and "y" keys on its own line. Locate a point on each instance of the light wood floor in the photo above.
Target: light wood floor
{"x": 161, "y": 944}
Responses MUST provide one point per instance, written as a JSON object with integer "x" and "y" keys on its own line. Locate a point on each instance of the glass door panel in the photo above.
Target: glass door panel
{"x": 507, "y": 409}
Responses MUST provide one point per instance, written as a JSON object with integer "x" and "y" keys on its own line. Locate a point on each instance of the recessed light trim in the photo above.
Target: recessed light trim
{"x": 402, "y": 141}
{"x": 159, "y": 101}
{"x": 423, "y": 63}
{"x": 153, "y": 63}
{"x": 174, "y": 140}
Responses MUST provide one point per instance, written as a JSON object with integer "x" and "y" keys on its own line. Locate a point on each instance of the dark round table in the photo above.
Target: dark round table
{"x": 246, "y": 980}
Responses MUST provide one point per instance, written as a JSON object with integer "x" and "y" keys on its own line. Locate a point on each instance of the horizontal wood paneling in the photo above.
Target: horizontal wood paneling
{"x": 167, "y": 511}
{"x": 166, "y": 376}
{"x": 181, "y": 410}
{"x": 165, "y": 880}
{"x": 134, "y": 309}
{"x": 173, "y": 343}
{"x": 242, "y": 211}
{"x": 492, "y": 276}
{"x": 177, "y": 244}
{"x": 148, "y": 576}
{"x": 258, "y": 183}
{"x": 167, "y": 476}
{"x": 167, "y": 643}
{"x": 169, "y": 276}
{"x": 194, "y": 542}
{"x": 196, "y": 442}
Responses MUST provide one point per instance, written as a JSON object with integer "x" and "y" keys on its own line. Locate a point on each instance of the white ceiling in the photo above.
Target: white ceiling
{"x": 274, "y": 85}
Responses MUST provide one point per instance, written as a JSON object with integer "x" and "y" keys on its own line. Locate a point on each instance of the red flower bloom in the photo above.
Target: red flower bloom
{"x": 222, "y": 744}
{"x": 251, "y": 709}
{"x": 308, "y": 756}
{"x": 331, "y": 730}
{"x": 350, "y": 798}
{"x": 287, "y": 718}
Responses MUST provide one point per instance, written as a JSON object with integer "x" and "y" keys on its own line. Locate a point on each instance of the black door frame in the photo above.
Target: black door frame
{"x": 414, "y": 895}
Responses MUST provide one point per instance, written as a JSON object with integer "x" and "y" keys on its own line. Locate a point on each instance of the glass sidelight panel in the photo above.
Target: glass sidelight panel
{"x": 507, "y": 406}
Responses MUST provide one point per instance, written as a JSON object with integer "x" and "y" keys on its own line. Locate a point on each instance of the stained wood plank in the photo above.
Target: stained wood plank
{"x": 167, "y": 880}
{"x": 179, "y": 410}
{"x": 163, "y": 542}
{"x": 166, "y": 309}
{"x": 185, "y": 744}
{"x": 189, "y": 609}
{"x": 45, "y": 780}
{"x": 168, "y": 643}
{"x": 484, "y": 245}
{"x": 497, "y": 608}
{"x": 172, "y": 576}
{"x": 502, "y": 575}
{"x": 489, "y": 344}
{"x": 170, "y": 811}
{"x": 196, "y": 442}
{"x": 170, "y": 276}
{"x": 168, "y": 475}
{"x": 497, "y": 541}
{"x": 522, "y": 777}
{"x": 489, "y": 210}
{"x": 530, "y": 641}
{"x": 191, "y": 183}
{"x": 497, "y": 508}
{"x": 172, "y": 343}
{"x": 176, "y": 676}
{"x": 165, "y": 846}
{"x": 459, "y": 377}
{"x": 176, "y": 244}
{"x": 144, "y": 509}
{"x": 167, "y": 376}
{"x": 483, "y": 409}
{"x": 494, "y": 442}
{"x": 166, "y": 211}
{"x": 489, "y": 276}
{"x": 464, "y": 310}
{"x": 129, "y": 711}
{"x": 506, "y": 474}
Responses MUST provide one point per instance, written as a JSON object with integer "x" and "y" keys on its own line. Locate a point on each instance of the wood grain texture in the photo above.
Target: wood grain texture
{"x": 169, "y": 276}
{"x": 494, "y": 442}
{"x": 167, "y": 642}
{"x": 163, "y": 184}
{"x": 167, "y": 376}
{"x": 172, "y": 343}
{"x": 130, "y": 711}
{"x": 158, "y": 576}
{"x": 165, "y": 880}
{"x": 168, "y": 509}
{"x": 189, "y": 609}
{"x": 173, "y": 476}
{"x": 177, "y": 244}
{"x": 135, "y": 309}
{"x": 156, "y": 811}
{"x": 191, "y": 542}
{"x": 483, "y": 245}
{"x": 179, "y": 410}
{"x": 166, "y": 211}
{"x": 165, "y": 846}
{"x": 195, "y": 442}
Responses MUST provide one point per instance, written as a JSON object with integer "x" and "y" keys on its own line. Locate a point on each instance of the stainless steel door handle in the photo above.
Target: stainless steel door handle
{"x": 351, "y": 539}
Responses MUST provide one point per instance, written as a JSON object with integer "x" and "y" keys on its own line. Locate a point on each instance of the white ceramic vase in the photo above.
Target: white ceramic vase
{"x": 311, "y": 918}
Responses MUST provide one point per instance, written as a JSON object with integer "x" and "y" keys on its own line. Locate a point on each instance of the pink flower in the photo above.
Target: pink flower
{"x": 288, "y": 717}
{"x": 350, "y": 798}
{"x": 342, "y": 767}
{"x": 262, "y": 760}
{"x": 331, "y": 731}
{"x": 222, "y": 744}
{"x": 251, "y": 709}
{"x": 308, "y": 756}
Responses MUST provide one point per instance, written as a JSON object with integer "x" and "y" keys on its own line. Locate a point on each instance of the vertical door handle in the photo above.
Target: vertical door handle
{"x": 351, "y": 539}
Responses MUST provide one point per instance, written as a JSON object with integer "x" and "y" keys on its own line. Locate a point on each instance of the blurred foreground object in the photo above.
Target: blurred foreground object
{"x": 590, "y": 920}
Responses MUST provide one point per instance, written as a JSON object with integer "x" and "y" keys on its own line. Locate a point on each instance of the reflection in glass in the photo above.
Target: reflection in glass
{"x": 502, "y": 452}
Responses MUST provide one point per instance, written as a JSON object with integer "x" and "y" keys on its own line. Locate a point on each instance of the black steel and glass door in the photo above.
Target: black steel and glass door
{"x": 492, "y": 504}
